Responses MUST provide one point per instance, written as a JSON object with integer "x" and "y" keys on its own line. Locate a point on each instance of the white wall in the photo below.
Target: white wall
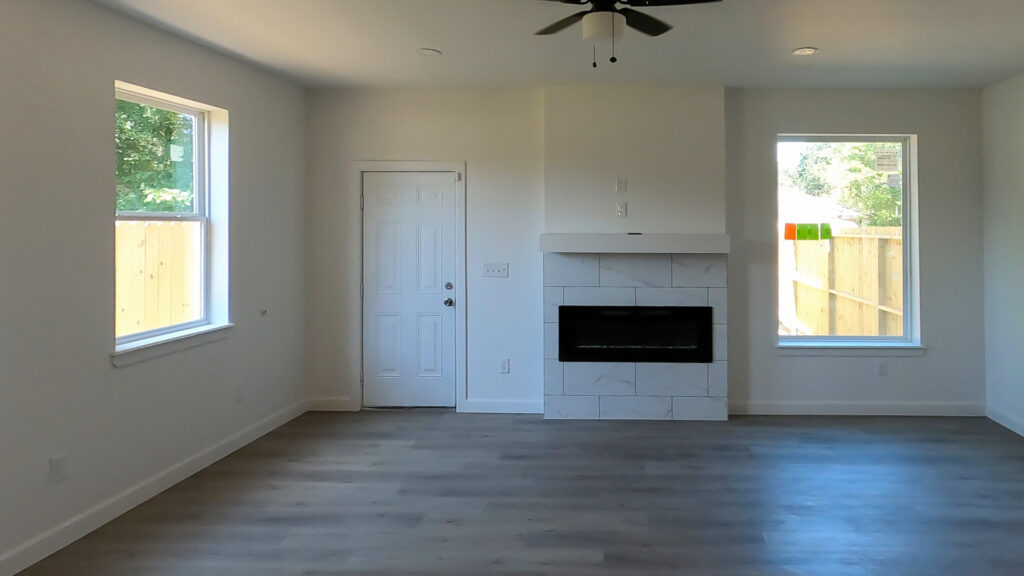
{"x": 1003, "y": 111}
{"x": 948, "y": 378}
{"x": 522, "y": 158}
{"x": 667, "y": 141}
{"x": 499, "y": 134}
{"x": 59, "y": 391}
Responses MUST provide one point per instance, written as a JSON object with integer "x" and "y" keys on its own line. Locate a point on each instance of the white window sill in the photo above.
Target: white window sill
{"x": 142, "y": 350}
{"x": 850, "y": 348}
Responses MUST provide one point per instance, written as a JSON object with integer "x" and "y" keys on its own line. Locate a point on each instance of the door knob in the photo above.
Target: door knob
{"x": 448, "y": 302}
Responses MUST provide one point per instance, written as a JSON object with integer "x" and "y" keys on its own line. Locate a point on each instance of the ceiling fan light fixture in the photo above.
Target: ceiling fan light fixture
{"x": 604, "y": 26}
{"x": 806, "y": 51}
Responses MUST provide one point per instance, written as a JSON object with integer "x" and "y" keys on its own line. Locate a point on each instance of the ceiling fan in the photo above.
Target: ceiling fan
{"x": 634, "y": 19}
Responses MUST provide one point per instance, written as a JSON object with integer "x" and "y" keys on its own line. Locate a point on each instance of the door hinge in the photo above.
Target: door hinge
{"x": 458, "y": 176}
{"x": 361, "y": 290}
{"x": 361, "y": 199}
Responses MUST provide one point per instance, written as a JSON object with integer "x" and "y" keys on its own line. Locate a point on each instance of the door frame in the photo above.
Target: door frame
{"x": 361, "y": 167}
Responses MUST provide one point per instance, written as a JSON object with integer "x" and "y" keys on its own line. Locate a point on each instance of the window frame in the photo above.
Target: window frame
{"x": 200, "y": 213}
{"x": 911, "y": 337}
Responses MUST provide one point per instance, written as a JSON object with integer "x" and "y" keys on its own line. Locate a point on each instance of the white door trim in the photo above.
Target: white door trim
{"x": 362, "y": 166}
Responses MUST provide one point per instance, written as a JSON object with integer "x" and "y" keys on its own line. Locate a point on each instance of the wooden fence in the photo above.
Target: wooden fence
{"x": 157, "y": 281}
{"x": 851, "y": 285}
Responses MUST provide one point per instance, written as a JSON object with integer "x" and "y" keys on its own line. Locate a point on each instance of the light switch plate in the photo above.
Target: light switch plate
{"x": 621, "y": 186}
{"x": 496, "y": 270}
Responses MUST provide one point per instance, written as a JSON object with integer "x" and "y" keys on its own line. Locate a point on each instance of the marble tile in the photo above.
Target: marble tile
{"x": 671, "y": 296}
{"x": 571, "y": 269}
{"x": 588, "y": 296}
{"x": 720, "y": 341}
{"x": 718, "y": 379}
{"x": 718, "y": 299}
{"x": 636, "y": 270}
{"x": 552, "y": 377}
{"x": 553, "y": 298}
{"x": 571, "y": 407}
{"x": 635, "y": 408}
{"x": 621, "y": 390}
{"x": 551, "y": 340}
{"x": 700, "y": 409}
{"x": 599, "y": 379}
{"x": 662, "y": 379}
{"x": 699, "y": 270}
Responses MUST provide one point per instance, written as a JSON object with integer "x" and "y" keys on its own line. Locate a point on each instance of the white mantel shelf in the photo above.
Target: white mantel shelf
{"x": 636, "y": 243}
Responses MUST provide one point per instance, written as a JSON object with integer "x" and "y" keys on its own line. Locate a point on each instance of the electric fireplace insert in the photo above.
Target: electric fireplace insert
{"x": 635, "y": 334}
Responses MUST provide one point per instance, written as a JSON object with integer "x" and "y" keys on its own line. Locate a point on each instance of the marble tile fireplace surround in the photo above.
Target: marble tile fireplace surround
{"x": 635, "y": 270}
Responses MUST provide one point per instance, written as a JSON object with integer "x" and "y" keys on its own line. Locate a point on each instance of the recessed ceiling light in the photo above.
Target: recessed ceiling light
{"x": 429, "y": 52}
{"x": 806, "y": 51}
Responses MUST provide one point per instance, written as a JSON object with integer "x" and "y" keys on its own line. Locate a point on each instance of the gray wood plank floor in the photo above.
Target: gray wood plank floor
{"x": 428, "y": 492}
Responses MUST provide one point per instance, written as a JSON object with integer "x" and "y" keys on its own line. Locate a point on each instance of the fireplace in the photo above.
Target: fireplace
{"x": 635, "y": 334}
{"x": 636, "y": 326}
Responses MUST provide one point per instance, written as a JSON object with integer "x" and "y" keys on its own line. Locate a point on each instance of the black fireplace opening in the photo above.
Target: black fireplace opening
{"x": 635, "y": 334}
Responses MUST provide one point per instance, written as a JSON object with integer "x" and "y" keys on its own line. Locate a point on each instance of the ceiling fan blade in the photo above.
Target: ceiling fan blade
{"x": 646, "y": 3}
{"x": 576, "y": 2}
{"x": 562, "y": 24}
{"x": 647, "y": 24}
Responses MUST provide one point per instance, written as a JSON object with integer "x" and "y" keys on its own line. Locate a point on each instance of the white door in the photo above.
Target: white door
{"x": 408, "y": 289}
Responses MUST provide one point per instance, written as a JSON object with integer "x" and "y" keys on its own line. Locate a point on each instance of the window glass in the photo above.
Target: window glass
{"x": 155, "y": 159}
{"x": 158, "y": 279}
{"x": 842, "y": 221}
{"x": 160, "y": 218}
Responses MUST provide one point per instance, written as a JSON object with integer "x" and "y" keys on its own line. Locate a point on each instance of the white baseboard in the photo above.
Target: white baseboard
{"x": 856, "y": 408}
{"x": 41, "y": 546}
{"x": 502, "y": 406}
{"x": 334, "y": 404}
{"x": 1002, "y": 418}
{"x": 348, "y": 404}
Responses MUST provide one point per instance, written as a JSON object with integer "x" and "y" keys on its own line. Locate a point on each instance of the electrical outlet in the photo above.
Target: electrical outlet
{"x": 59, "y": 468}
{"x": 496, "y": 270}
{"x": 882, "y": 369}
{"x": 620, "y": 209}
{"x": 621, "y": 186}
{"x": 504, "y": 365}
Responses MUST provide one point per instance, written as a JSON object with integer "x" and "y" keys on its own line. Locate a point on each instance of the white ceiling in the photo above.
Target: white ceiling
{"x": 866, "y": 43}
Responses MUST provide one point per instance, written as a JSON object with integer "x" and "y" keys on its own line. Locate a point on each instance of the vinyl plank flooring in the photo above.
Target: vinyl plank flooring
{"x": 434, "y": 492}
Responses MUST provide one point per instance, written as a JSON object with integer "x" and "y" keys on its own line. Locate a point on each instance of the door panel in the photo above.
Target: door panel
{"x": 389, "y": 256}
{"x": 408, "y": 261}
{"x": 428, "y": 266}
{"x": 389, "y": 346}
{"x": 429, "y": 346}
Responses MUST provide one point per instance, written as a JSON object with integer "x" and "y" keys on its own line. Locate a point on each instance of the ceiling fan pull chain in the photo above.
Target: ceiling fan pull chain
{"x": 613, "y": 59}
{"x": 595, "y": 55}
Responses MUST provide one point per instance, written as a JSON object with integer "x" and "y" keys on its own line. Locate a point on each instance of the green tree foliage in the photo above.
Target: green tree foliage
{"x": 870, "y": 194}
{"x": 847, "y": 172}
{"x": 811, "y": 175}
{"x": 154, "y": 159}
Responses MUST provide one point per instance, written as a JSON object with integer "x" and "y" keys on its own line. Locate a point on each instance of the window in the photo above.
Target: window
{"x": 164, "y": 264}
{"x": 846, "y": 258}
